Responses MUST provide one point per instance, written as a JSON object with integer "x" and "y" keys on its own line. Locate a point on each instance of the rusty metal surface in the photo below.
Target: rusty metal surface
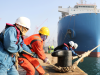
{"x": 51, "y": 71}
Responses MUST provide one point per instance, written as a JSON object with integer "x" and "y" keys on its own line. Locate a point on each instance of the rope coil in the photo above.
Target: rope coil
{"x": 63, "y": 69}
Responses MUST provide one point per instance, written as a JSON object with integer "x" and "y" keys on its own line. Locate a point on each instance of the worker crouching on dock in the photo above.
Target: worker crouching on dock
{"x": 70, "y": 46}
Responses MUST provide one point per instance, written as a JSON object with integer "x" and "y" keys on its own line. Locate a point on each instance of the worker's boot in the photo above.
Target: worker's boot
{"x": 46, "y": 74}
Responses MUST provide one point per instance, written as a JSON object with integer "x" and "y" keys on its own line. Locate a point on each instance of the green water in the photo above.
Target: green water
{"x": 90, "y": 65}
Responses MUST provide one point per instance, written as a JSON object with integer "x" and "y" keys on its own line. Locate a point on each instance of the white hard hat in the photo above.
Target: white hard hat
{"x": 23, "y": 21}
{"x": 71, "y": 43}
{"x": 75, "y": 45}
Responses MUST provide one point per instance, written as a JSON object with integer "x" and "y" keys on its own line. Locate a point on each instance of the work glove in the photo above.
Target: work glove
{"x": 34, "y": 55}
{"x": 20, "y": 50}
{"x": 79, "y": 56}
{"x": 47, "y": 61}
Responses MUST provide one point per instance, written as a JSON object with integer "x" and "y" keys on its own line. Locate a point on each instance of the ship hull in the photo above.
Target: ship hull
{"x": 84, "y": 30}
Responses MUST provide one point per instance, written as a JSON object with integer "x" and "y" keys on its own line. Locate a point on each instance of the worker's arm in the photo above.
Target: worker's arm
{"x": 10, "y": 39}
{"x": 38, "y": 49}
{"x": 73, "y": 53}
{"x": 26, "y": 48}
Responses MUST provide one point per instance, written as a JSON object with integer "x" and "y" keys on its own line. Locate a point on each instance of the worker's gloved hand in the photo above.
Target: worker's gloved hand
{"x": 20, "y": 50}
{"x": 47, "y": 61}
{"x": 34, "y": 55}
{"x": 79, "y": 56}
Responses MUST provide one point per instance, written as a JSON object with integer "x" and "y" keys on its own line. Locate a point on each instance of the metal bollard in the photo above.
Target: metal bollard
{"x": 64, "y": 57}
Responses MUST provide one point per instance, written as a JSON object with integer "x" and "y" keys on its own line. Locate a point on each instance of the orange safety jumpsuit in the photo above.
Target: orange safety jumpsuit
{"x": 30, "y": 63}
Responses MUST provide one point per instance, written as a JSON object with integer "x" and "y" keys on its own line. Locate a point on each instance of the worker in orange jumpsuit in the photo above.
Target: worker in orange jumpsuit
{"x": 35, "y": 42}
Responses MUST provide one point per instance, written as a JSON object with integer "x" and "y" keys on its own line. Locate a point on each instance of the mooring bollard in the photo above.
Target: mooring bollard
{"x": 64, "y": 57}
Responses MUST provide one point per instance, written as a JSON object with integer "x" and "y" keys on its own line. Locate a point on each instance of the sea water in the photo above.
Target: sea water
{"x": 90, "y": 65}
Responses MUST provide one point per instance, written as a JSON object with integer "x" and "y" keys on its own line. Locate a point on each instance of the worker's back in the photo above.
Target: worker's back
{"x": 59, "y": 47}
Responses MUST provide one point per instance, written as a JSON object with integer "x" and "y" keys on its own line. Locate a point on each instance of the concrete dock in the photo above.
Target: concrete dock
{"x": 49, "y": 69}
